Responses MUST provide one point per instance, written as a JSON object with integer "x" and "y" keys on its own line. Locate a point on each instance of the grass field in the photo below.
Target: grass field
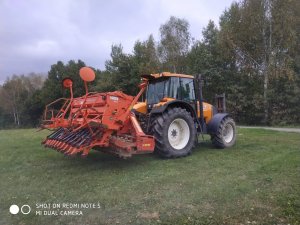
{"x": 255, "y": 182}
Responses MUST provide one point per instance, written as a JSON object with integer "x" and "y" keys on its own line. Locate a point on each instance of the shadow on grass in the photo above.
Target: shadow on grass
{"x": 99, "y": 161}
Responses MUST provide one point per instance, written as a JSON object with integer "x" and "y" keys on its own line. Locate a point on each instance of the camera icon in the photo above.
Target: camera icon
{"x": 14, "y": 209}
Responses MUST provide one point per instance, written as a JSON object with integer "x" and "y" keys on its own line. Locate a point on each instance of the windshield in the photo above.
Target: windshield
{"x": 157, "y": 90}
{"x": 172, "y": 87}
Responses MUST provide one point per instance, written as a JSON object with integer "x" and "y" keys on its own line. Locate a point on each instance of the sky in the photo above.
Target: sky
{"x": 34, "y": 34}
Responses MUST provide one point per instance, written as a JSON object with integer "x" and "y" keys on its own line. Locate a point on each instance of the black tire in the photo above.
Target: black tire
{"x": 161, "y": 128}
{"x": 222, "y": 138}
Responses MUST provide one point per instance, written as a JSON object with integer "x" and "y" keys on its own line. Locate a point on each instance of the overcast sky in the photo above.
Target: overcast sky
{"x": 34, "y": 34}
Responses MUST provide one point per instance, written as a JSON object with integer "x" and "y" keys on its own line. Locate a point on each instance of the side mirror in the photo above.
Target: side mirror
{"x": 67, "y": 83}
{"x": 87, "y": 74}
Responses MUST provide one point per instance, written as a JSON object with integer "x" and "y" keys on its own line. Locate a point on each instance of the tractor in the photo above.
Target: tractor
{"x": 166, "y": 117}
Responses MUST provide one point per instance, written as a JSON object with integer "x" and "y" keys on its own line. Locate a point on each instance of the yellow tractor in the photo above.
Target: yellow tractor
{"x": 166, "y": 116}
{"x": 174, "y": 113}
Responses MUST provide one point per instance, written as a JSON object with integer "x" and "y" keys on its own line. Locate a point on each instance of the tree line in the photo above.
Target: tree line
{"x": 252, "y": 56}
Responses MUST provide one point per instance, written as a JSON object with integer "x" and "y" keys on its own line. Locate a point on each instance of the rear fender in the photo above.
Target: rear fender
{"x": 174, "y": 103}
{"x": 214, "y": 123}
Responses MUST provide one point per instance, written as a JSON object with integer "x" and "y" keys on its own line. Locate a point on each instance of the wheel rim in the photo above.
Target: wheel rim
{"x": 228, "y": 133}
{"x": 178, "y": 134}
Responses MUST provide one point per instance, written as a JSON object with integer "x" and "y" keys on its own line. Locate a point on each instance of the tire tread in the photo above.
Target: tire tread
{"x": 164, "y": 149}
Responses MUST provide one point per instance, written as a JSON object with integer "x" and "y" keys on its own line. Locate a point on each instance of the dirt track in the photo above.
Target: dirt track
{"x": 297, "y": 130}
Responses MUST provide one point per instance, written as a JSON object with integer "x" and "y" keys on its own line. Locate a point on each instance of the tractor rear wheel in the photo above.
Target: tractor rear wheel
{"x": 174, "y": 132}
{"x": 226, "y": 134}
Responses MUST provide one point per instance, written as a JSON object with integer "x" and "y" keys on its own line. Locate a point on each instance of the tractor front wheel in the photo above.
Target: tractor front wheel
{"x": 174, "y": 133}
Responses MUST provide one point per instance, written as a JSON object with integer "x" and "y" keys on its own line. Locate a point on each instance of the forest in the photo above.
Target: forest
{"x": 252, "y": 55}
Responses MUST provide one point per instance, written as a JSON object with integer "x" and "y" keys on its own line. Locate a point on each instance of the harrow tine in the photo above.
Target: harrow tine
{"x": 77, "y": 145}
{"x": 87, "y": 148}
{"x": 72, "y": 143}
{"x": 58, "y": 146}
{"x": 79, "y": 135}
{"x": 83, "y": 141}
{"x": 69, "y": 136}
{"x": 61, "y": 145}
{"x": 68, "y": 150}
{"x": 47, "y": 142}
{"x": 72, "y": 137}
{"x": 87, "y": 138}
{"x": 67, "y": 147}
{"x": 58, "y": 140}
{"x": 86, "y": 144}
{"x": 55, "y": 133}
{"x": 72, "y": 151}
{"x": 85, "y": 152}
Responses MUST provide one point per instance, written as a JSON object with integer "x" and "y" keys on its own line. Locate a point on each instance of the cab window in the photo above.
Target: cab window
{"x": 187, "y": 92}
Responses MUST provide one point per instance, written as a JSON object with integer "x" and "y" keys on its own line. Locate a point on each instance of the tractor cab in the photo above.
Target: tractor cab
{"x": 166, "y": 87}
{"x": 180, "y": 88}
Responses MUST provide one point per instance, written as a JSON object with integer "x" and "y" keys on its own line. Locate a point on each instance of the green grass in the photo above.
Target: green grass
{"x": 255, "y": 182}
